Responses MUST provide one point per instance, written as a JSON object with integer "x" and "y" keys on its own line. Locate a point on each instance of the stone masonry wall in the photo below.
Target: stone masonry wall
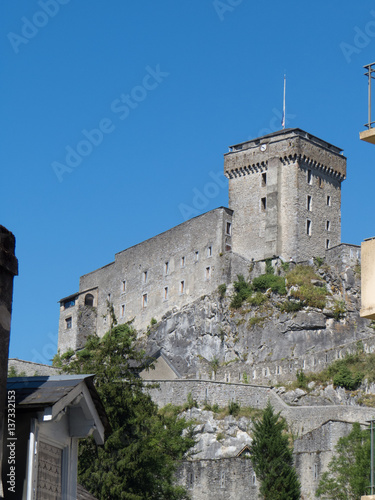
{"x": 270, "y": 180}
{"x": 161, "y": 274}
{"x": 301, "y": 419}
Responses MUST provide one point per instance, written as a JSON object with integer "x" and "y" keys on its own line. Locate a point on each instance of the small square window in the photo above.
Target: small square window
{"x": 166, "y": 293}
{"x": 329, "y": 201}
{"x": 209, "y": 251}
{"x": 123, "y": 286}
{"x": 328, "y": 225}
{"x": 264, "y": 179}
{"x": 182, "y": 287}
{"x": 182, "y": 261}
{"x": 308, "y": 206}
{"x": 229, "y": 228}
{"x": 309, "y": 177}
{"x": 166, "y": 268}
{"x": 263, "y": 204}
{"x": 145, "y": 276}
{"x": 69, "y": 303}
{"x": 144, "y": 300}
{"x": 122, "y": 310}
{"x": 308, "y": 227}
{"x": 68, "y": 323}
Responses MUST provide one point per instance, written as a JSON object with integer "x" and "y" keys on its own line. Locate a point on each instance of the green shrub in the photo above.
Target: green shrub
{"x": 285, "y": 266}
{"x": 338, "y": 309}
{"x": 345, "y": 378}
{"x": 318, "y": 261}
{"x": 190, "y": 403}
{"x": 311, "y": 295}
{"x": 301, "y": 379}
{"x": 244, "y": 378}
{"x": 290, "y": 306}
{"x": 243, "y": 290}
{"x": 258, "y": 299}
{"x": 269, "y": 267}
{"x": 153, "y": 321}
{"x": 266, "y": 281}
{"x": 222, "y": 289}
{"x": 220, "y": 436}
{"x": 234, "y": 408}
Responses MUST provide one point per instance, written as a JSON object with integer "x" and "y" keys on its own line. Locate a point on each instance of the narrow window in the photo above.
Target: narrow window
{"x": 68, "y": 323}
{"x": 123, "y": 286}
{"x": 254, "y": 481}
{"x": 145, "y": 276}
{"x": 208, "y": 273}
{"x": 109, "y": 297}
{"x": 264, "y": 179}
{"x": 166, "y": 293}
{"x": 309, "y": 203}
{"x": 196, "y": 256}
{"x": 329, "y": 201}
{"x": 320, "y": 182}
{"x": 308, "y": 227}
{"x": 144, "y": 300}
{"x": 263, "y": 203}
{"x": 182, "y": 287}
{"x": 182, "y": 261}
{"x": 122, "y": 310}
{"x": 89, "y": 299}
{"x": 309, "y": 177}
{"x": 209, "y": 251}
{"x": 315, "y": 471}
{"x": 166, "y": 268}
{"x": 328, "y": 225}
{"x": 229, "y": 228}
{"x": 254, "y": 374}
{"x": 223, "y": 480}
{"x": 327, "y": 244}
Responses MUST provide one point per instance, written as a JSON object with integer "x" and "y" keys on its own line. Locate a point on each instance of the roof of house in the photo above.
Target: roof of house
{"x": 56, "y": 392}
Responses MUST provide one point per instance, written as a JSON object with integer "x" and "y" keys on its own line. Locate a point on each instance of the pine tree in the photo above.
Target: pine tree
{"x": 348, "y": 475}
{"x": 272, "y": 458}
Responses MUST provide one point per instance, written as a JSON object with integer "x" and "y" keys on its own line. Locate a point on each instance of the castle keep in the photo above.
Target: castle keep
{"x": 284, "y": 201}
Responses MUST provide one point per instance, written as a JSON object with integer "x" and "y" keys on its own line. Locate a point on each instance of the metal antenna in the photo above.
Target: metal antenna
{"x": 284, "y": 107}
{"x": 371, "y": 74}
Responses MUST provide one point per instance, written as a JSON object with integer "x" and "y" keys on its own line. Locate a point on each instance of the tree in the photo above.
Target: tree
{"x": 272, "y": 458}
{"x": 348, "y": 473}
{"x": 139, "y": 457}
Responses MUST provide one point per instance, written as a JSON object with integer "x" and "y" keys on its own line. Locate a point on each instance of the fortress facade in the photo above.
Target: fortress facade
{"x": 284, "y": 201}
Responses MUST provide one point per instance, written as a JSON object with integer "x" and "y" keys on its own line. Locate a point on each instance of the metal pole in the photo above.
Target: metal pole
{"x": 369, "y": 96}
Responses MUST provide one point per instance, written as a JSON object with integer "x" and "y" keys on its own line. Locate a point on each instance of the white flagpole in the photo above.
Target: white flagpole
{"x": 284, "y": 107}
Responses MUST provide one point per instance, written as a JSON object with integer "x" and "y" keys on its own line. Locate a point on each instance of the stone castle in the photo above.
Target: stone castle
{"x": 284, "y": 205}
{"x": 284, "y": 201}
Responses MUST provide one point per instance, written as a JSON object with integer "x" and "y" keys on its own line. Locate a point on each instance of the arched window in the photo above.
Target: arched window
{"x": 89, "y": 299}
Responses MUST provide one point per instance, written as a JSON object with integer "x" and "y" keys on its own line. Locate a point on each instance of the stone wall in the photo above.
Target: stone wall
{"x": 277, "y": 184}
{"x": 301, "y": 419}
{"x": 234, "y": 478}
{"x": 30, "y": 369}
{"x": 161, "y": 274}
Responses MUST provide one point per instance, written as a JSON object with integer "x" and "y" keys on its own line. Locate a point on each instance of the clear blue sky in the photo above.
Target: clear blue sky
{"x": 171, "y": 85}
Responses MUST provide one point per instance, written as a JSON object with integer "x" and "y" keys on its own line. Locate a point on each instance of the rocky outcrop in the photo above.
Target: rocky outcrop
{"x": 261, "y": 344}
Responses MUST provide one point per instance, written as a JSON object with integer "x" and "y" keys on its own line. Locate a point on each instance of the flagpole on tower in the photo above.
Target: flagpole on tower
{"x": 284, "y": 107}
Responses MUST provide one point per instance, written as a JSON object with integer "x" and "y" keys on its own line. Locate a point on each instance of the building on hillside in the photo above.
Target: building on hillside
{"x": 284, "y": 201}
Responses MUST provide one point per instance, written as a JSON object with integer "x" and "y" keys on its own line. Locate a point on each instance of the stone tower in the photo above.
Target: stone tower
{"x": 285, "y": 190}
